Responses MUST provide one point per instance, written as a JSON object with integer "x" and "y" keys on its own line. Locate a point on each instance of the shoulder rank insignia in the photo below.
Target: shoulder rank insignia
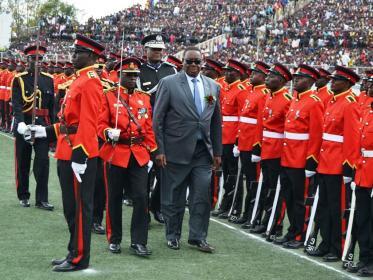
{"x": 92, "y": 74}
{"x": 316, "y": 98}
{"x": 350, "y": 98}
{"x": 265, "y": 91}
{"x": 288, "y": 96}
{"x": 47, "y": 74}
{"x": 241, "y": 87}
{"x": 21, "y": 74}
{"x": 143, "y": 92}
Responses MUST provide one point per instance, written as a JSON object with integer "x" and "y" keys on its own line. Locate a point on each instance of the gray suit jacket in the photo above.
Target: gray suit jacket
{"x": 176, "y": 121}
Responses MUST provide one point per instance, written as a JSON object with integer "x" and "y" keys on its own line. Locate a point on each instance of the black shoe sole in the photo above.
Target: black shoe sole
{"x": 137, "y": 253}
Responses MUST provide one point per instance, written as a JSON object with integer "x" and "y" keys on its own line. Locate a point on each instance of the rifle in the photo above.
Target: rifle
{"x": 36, "y": 76}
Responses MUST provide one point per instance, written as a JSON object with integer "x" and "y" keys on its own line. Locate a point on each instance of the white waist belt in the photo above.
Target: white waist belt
{"x": 271, "y": 134}
{"x": 8, "y": 87}
{"x": 332, "y": 137}
{"x": 367, "y": 153}
{"x": 2, "y": 87}
{"x": 297, "y": 136}
{"x": 230, "y": 119}
{"x": 248, "y": 120}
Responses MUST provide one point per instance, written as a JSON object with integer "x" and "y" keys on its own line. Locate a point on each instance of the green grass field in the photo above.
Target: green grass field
{"x": 30, "y": 238}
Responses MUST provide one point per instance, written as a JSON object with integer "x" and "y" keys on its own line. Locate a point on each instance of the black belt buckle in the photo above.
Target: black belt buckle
{"x": 132, "y": 141}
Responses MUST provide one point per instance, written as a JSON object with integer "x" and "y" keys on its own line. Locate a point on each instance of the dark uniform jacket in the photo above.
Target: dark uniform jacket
{"x": 23, "y": 96}
{"x": 150, "y": 77}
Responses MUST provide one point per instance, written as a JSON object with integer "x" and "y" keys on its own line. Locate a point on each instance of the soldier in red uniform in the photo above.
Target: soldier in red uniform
{"x": 175, "y": 62}
{"x": 230, "y": 112}
{"x": 322, "y": 86}
{"x": 126, "y": 128}
{"x": 303, "y": 132}
{"x": 269, "y": 144}
{"x": 3, "y": 88}
{"x": 8, "y": 92}
{"x": 213, "y": 69}
{"x": 338, "y": 155}
{"x": 250, "y": 125}
{"x": 77, "y": 152}
{"x": 363, "y": 98}
{"x": 364, "y": 191}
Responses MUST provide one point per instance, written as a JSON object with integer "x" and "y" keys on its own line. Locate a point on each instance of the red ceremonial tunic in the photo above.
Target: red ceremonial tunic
{"x": 139, "y": 103}
{"x": 340, "y": 144}
{"x": 303, "y": 130}
{"x": 275, "y": 110}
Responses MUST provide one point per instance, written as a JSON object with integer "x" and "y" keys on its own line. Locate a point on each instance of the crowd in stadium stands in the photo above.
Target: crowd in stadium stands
{"x": 324, "y": 32}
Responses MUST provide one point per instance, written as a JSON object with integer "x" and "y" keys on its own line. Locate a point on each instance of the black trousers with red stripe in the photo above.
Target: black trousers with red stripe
{"x": 248, "y": 169}
{"x": 134, "y": 179}
{"x": 77, "y": 200}
{"x": 2, "y": 114}
{"x": 329, "y": 213}
{"x": 99, "y": 199}
{"x": 230, "y": 168}
{"x": 23, "y": 151}
{"x": 364, "y": 224}
{"x": 292, "y": 189}
{"x": 271, "y": 169}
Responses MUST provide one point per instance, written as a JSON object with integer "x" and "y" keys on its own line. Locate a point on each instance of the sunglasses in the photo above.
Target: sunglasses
{"x": 191, "y": 61}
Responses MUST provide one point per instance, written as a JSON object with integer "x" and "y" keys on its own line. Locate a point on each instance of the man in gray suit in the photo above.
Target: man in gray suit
{"x": 187, "y": 125}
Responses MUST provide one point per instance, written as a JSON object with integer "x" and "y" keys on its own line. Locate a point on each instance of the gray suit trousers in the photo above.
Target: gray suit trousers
{"x": 175, "y": 180}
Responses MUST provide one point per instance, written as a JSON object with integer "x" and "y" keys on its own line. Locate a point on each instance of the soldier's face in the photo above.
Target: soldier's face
{"x": 257, "y": 78}
{"x": 302, "y": 84}
{"x": 274, "y": 82}
{"x": 83, "y": 59}
{"x": 210, "y": 73}
{"x": 231, "y": 76}
{"x": 129, "y": 80}
{"x": 339, "y": 86}
{"x": 192, "y": 63}
{"x": 370, "y": 89}
{"x": 154, "y": 55}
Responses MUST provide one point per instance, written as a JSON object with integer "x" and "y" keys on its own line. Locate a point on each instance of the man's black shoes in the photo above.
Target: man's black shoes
{"x": 114, "y": 248}
{"x": 140, "y": 250}
{"x": 202, "y": 245}
{"x": 44, "y": 206}
{"x": 173, "y": 244}
{"x": 67, "y": 266}
{"x": 98, "y": 229}
{"x": 24, "y": 203}
{"x": 158, "y": 217}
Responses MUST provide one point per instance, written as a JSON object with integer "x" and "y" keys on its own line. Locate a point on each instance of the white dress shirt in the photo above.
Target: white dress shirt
{"x": 201, "y": 88}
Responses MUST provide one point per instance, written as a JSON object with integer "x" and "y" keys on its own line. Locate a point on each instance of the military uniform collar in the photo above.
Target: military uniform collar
{"x": 304, "y": 93}
{"x": 150, "y": 65}
{"x": 339, "y": 95}
{"x": 85, "y": 70}
{"x": 259, "y": 87}
{"x": 234, "y": 84}
{"x": 322, "y": 88}
{"x": 277, "y": 91}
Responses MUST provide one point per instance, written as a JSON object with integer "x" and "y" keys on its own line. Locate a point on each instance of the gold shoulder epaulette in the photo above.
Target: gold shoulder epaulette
{"x": 106, "y": 90}
{"x": 288, "y": 96}
{"x": 92, "y": 74}
{"x": 241, "y": 87}
{"x": 350, "y": 98}
{"x": 21, "y": 74}
{"x": 47, "y": 74}
{"x": 143, "y": 92}
{"x": 316, "y": 98}
{"x": 265, "y": 91}
{"x": 65, "y": 84}
{"x": 330, "y": 92}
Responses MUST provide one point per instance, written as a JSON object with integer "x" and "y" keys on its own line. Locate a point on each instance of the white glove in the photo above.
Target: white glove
{"x": 22, "y": 128}
{"x": 150, "y": 165}
{"x": 114, "y": 134}
{"x": 255, "y": 158}
{"x": 371, "y": 194}
{"x": 353, "y": 186}
{"x": 347, "y": 180}
{"x": 78, "y": 169}
{"x": 309, "y": 173}
{"x": 236, "y": 151}
{"x": 39, "y": 130}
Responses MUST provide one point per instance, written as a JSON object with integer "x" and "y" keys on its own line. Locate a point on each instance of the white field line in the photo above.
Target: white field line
{"x": 289, "y": 251}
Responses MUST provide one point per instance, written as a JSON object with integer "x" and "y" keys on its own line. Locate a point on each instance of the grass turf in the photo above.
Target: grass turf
{"x": 30, "y": 238}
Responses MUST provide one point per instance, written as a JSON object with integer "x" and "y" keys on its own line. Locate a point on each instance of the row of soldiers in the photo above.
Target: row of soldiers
{"x": 289, "y": 145}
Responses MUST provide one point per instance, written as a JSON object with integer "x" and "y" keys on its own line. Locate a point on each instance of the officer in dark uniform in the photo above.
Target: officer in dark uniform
{"x": 150, "y": 74}
{"x": 22, "y": 99}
